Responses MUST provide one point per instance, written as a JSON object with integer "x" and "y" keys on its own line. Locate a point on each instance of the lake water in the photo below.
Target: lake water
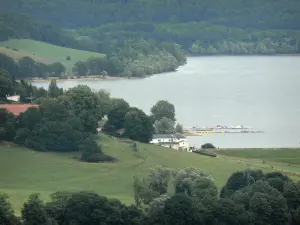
{"x": 262, "y": 92}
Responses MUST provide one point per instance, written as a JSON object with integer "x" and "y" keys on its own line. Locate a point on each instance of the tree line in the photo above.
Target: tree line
{"x": 249, "y": 197}
{"x": 133, "y": 58}
{"x": 26, "y": 67}
{"x": 198, "y": 37}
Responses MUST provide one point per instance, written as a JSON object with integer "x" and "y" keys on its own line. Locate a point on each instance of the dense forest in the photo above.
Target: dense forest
{"x": 141, "y": 37}
{"x": 200, "y": 27}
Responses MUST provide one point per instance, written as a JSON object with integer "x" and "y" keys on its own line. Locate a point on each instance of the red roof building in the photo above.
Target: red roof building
{"x": 17, "y": 109}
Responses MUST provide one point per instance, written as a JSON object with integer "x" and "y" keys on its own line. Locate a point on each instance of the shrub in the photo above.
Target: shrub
{"x": 15, "y": 49}
{"x": 208, "y": 145}
{"x": 96, "y": 157}
{"x": 68, "y": 58}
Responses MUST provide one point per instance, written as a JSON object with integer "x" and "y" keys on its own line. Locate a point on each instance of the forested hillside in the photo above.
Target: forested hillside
{"x": 267, "y": 14}
{"x": 142, "y": 37}
{"x": 200, "y": 26}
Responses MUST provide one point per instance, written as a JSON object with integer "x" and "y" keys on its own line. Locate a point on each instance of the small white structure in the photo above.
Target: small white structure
{"x": 175, "y": 141}
{"x": 15, "y": 98}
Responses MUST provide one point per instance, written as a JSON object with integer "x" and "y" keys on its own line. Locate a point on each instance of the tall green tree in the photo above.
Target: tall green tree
{"x": 164, "y": 126}
{"x": 7, "y": 216}
{"x": 27, "y": 67}
{"x": 163, "y": 109}
{"x": 33, "y": 211}
{"x": 6, "y": 83}
{"x": 116, "y": 115}
{"x": 138, "y": 126}
{"x": 53, "y": 90}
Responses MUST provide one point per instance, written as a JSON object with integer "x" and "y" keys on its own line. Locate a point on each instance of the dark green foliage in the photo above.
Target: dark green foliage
{"x": 253, "y": 14}
{"x": 255, "y": 204}
{"x": 30, "y": 118}
{"x": 138, "y": 126}
{"x": 56, "y": 136}
{"x": 53, "y": 90}
{"x": 6, "y": 83}
{"x": 227, "y": 212}
{"x": 208, "y": 146}
{"x": 8, "y": 64}
{"x": 21, "y": 135}
{"x": 33, "y": 212}
{"x": 7, "y": 216}
{"x": 239, "y": 180}
{"x": 182, "y": 209}
{"x": 87, "y": 106}
{"x": 133, "y": 58}
{"x": 265, "y": 204}
{"x": 91, "y": 209}
{"x": 8, "y": 125}
{"x": 163, "y": 109}
{"x": 116, "y": 115}
{"x": 91, "y": 152}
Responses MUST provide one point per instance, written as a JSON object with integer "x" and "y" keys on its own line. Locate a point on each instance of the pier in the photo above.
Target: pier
{"x": 199, "y": 131}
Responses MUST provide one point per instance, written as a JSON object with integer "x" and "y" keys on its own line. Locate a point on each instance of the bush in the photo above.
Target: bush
{"x": 208, "y": 145}
{"x": 96, "y": 157}
{"x": 92, "y": 152}
{"x": 15, "y": 49}
{"x": 68, "y": 58}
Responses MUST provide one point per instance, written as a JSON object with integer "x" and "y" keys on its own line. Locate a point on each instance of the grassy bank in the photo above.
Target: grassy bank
{"x": 23, "y": 171}
{"x": 44, "y": 52}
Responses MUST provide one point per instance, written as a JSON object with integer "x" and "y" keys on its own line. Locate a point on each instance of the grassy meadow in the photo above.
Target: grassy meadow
{"x": 24, "y": 171}
{"x": 284, "y": 156}
{"x": 44, "y": 52}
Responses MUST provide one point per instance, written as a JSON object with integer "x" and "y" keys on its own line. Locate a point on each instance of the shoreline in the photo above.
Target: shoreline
{"x": 245, "y": 55}
{"x": 88, "y": 78}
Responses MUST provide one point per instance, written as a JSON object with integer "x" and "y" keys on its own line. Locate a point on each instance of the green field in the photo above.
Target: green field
{"x": 44, "y": 52}
{"x": 23, "y": 171}
{"x": 286, "y": 156}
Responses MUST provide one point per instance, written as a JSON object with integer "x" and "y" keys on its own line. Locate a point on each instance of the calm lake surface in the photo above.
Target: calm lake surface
{"x": 262, "y": 92}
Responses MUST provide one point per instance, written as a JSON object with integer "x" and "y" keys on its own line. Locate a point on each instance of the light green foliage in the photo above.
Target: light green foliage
{"x": 164, "y": 126}
{"x": 196, "y": 183}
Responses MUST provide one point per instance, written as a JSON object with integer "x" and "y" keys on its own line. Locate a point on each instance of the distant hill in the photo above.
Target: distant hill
{"x": 44, "y": 52}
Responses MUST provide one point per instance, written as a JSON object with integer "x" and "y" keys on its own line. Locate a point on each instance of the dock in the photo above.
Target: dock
{"x": 199, "y": 131}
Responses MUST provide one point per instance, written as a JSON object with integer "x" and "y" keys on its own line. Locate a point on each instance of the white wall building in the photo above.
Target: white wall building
{"x": 175, "y": 141}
